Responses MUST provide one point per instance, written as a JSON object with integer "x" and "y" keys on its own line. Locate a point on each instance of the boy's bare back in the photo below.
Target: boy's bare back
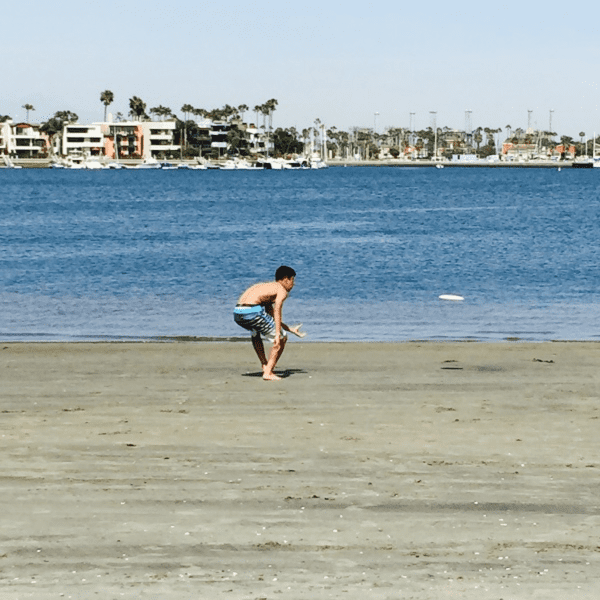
{"x": 264, "y": 293}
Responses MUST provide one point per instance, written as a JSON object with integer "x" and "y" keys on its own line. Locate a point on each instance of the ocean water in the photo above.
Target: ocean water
{"x": 145, "y": 254}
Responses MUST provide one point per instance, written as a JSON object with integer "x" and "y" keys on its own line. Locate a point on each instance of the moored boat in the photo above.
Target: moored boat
{"x": 584, "y": 163}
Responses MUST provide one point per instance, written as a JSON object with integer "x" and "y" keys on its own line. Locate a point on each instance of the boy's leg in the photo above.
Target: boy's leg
{"x": 259, "y": 348}
{"x": 274, "y": 356}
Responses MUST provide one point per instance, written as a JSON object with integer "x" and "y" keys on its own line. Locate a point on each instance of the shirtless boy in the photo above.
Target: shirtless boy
{"x": 259, "y": 310}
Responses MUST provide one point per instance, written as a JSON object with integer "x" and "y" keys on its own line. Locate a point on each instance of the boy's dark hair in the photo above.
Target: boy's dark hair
{"x": 284, "y": 273}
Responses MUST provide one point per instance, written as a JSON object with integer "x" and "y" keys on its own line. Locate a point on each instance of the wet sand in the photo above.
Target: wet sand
{"x": 381, "y": 471}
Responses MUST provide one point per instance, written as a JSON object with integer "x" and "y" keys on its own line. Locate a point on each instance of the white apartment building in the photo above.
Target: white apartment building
{"x": 87, "y": 140}
{"x": 256, "y": 140}
{"x": 22, "y": 140}
{"x": 122, "y": 139}
{"x": 159, "y": 139}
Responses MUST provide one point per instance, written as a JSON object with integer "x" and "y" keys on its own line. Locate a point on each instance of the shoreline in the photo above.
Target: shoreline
{"x": 183, "y": 339}
{"x": 549, "y": 164}
{"x": 417, "y": 469}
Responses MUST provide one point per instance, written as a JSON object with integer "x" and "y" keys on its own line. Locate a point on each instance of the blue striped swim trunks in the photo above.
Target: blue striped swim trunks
{"x": 257, "y": 320}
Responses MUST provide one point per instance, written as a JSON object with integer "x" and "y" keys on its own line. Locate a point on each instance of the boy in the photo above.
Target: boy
{"x": 259, "y": 310}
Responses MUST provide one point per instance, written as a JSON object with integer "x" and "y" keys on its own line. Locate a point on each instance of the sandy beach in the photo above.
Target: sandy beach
{"x": 381, "y": 471}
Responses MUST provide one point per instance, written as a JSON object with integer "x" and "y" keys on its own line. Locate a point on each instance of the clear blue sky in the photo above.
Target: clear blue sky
{"x": 337, "y": 61}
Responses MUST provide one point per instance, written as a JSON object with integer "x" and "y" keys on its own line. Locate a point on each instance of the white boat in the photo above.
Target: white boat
{"x": 318, "y": 163}
{"x": 74, "y": 164}
{"x": 149, "y": 163}
{"x": 93, "y": 164}
{"x": 243, "y": 164}
{"x": 583, "y": 163}
{"x": 296, "y": 164}
{"x": 228, "y": 165}
{"x": 275, "y": 164}
{"x": 79, "y": 161}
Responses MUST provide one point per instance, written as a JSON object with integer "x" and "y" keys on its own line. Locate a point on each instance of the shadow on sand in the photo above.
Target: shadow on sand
{"x": 283, "y": 374}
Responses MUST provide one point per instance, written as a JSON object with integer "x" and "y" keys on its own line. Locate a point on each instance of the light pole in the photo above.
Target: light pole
{"x": 375, "y": 123}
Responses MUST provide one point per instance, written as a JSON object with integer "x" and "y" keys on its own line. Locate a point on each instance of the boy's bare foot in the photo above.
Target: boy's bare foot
{"x": 271, "y": 377}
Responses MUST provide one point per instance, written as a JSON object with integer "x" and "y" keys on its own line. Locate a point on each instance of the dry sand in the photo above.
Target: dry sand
{"x": 414, "y": 470}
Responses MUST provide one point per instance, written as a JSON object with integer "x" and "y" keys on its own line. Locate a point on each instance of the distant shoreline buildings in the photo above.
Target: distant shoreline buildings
{"x": 147, "y": 139}
{"x": 119, "y": 139}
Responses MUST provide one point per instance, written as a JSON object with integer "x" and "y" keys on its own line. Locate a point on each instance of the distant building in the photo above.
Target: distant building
{"x": 127, "y": 139}
{"x": 158, "y": 139}
{"x": 256, "y": 140}
{"x": 123, "y": 139}
{"x": 527, "y": 151}
{"x": 87, "y": 140}
{"x": 218, "y": 134}
{"x": 566, "y": 152}
{"x": 22, "y": 140}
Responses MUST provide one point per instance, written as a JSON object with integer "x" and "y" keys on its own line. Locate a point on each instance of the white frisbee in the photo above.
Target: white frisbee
{"x": 451, "y": 297}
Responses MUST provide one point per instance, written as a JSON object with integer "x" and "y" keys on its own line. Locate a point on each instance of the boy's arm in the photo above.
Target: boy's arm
{"x": 278, "y": 312}
{"x": 295, "y": 329}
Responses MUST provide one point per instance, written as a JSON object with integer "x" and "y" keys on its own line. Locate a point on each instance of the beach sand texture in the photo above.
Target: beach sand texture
{"x": 381, "y": 471}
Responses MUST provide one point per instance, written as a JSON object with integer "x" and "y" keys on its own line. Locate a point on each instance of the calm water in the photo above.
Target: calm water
{"x": 139, "y": 254}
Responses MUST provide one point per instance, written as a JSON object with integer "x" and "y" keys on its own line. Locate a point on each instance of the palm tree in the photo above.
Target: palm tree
{"x": 228, "y": 112}
{"x": 242, "y": 108}
{"x": 271, "y": 106}
{"x": 257, "y": 109}
{"x": 478, "y": 137}
{"x": 106, "y": 97}
{"x": 137, "y": 108}
{"x": 186, "y": 109}
{"x": 28, "y": 107}
{"x": 268, "y": 109}
{"x": 161, "y": 111}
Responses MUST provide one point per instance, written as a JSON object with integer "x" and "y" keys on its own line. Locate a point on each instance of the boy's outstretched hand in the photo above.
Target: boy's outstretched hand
{"x": 295, "y": 329}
